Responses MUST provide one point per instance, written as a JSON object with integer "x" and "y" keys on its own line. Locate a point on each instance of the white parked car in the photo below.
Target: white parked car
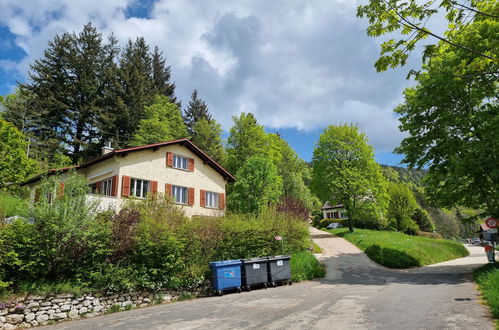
{"x": 334, "y": 225}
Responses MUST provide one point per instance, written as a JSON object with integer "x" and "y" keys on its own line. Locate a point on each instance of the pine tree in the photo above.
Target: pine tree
{"x": 196, "y": 110}
{"x": 67, "y": 84}
{"x": 161, "y": 76}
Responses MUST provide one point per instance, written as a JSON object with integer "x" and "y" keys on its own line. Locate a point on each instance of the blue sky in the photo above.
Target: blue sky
{"x": 299, "y": 66}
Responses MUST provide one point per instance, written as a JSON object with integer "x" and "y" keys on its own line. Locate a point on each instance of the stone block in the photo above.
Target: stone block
{"x": 25, "y": 325}
{"x": 57, "y": 300}
{"x": 83, "y": 310}
{"x": 60, "y": 316}
{"x": 34, "y": 323}
{"x": 65, "y": 295}
{"x": 3, "y": 312}
{"x": 86, "y": 303}
{"x": 8, "y": 326}
{"x": 27, "y": 311}
{"x": 14, "y": 318}
{"x": 46, "y": 303}
{"x": 98, "y": 309}
{"x": 33, "y": 305}
{"x": 42, "y": 318}
{"x": 3, "y": 319}
{"x": 29, "y": 317}
{"x": 65, "y": 308}
{"x": 73, "y": 314}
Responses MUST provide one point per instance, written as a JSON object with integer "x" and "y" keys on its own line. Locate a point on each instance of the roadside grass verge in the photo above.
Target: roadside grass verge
{"x": 487, "y": 278}
{"x": 398, "y": 250}
{"x": 304, "y": 266}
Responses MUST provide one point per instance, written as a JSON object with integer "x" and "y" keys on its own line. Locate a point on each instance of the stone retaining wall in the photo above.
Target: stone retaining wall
{"x": 40, "y": 310}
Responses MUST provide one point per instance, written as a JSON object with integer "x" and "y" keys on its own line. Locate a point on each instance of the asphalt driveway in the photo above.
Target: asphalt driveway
{"x": 356, "y": 294}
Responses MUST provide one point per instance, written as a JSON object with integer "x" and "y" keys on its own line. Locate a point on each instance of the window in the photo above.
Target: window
{"x": 106, "y": 187}
{"x": 93, "y": 188}
{"x": 139, "y": 188}
{"x": 180, "y": 194}
{"x": 180, "y": 162}
{"x": 212, "y": 199}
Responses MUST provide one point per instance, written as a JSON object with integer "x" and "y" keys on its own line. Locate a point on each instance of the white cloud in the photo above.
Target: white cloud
{"x": 294, "y": 64}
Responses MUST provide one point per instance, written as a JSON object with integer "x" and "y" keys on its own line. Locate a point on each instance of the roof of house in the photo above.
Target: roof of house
{"x": 329, "y": 207}
{"x": 184, "y": 142}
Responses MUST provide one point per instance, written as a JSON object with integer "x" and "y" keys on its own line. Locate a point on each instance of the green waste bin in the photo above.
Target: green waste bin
{"x": 254, "y": 272}
{"x": 279, "y": 270}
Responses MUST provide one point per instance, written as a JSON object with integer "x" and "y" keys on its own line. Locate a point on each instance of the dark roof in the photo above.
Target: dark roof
{"x": 329, "y": 207}
{"x": 184, "y": 142}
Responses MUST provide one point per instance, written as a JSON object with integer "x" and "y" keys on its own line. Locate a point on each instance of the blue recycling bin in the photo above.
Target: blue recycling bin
{"x": 226, "y": 275}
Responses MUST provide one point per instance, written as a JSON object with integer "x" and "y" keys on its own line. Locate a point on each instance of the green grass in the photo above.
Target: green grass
{"x": 315, "y": 248}
{"x": 398, "y": 250}
{"x": 11, "y": 205}
{"x": 304, "y": 266}
{"x": 487, "y": 278}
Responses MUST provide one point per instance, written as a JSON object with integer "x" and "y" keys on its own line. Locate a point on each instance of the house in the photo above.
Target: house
{"x": 177, "y": 168}
{"x": 334, "y": 212}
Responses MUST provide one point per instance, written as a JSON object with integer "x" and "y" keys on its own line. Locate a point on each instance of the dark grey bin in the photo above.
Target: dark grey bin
{"x": 254, "y": 272}
{"x": 279, "y": 270}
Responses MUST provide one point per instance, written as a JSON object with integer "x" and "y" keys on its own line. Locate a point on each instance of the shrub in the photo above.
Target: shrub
{"x": 11, "y": 205}
{"x": 422, "y": 218}
{"x": 429, "y": 235}
{"x": 304, "y": 266}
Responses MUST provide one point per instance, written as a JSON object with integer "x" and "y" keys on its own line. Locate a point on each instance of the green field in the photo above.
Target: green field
{"x": 398, "y": 250}
{"x": 487, "y": 278}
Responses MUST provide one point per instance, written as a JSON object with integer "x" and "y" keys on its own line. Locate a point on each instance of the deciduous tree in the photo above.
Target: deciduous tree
{"x": 402, "y": 206}
{"x": 344, "y": 171}
{"x": 162, "y": 122}
{"x": 258, "y": 185}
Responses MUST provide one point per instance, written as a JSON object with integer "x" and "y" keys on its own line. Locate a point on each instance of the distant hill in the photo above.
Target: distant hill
{"x": 404, "y": 175}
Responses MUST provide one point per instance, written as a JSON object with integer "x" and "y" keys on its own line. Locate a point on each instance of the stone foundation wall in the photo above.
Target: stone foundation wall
{"x": 32, "y": 311}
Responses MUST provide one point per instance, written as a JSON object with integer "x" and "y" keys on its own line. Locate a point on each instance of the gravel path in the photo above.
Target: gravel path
{"x": 356, "y": 294}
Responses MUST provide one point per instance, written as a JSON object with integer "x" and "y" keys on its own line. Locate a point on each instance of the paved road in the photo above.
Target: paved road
{"x": 356, "y": 294}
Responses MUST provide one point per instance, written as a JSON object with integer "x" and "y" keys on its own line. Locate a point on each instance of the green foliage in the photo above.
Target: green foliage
{"x": 429, "y": 235}
{"x": 207, "y": 136}
{"x": 245, "y": 140}
{"x": 344, "y": 171}
{"x": 398, "y": 250}
{"x": 14, "y": 164}
{"x": 412, "y": 20}
{"x": 162, "y": 122}
{"x": 11, "y": 205}
{"x": 401, "y": 207}
{"x": 304, "y": 266}
{"x": 487, "y": 278}
{"x": 257, "y": 187}
{"x": 149, "y": 244}
{"x": 422, "y": 218}
{"x": 452, "y": 119}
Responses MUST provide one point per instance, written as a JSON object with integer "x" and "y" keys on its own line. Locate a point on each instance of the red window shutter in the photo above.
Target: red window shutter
{"x": 168, "y": 189}
{"x": 221, "y": 201}
{"x": 191, "y": 196}
{"x": 169, "y": 159}
{"x": 98, "y": 186}
{"x": 202, "y": 198}
{"x": 37, "y": 195}
{"x": 191, "y": 164}
{"x": 125, "y": 185}
{"x": 114, "y": 186}
{"x": 60, "y": 190}
{"x": 154, "y": 187}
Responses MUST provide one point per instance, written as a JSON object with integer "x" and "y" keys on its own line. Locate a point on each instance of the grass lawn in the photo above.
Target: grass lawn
{"x": 398, "y": 250}
{"x": 487, "y": 278}
{"x": 304, "y": 266}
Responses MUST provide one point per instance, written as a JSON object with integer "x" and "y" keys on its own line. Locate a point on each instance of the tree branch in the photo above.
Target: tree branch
{"x": 414, "y": 26}
{"x": 474, "y": 10}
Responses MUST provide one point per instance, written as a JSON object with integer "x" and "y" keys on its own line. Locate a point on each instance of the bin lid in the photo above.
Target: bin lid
{"x": 284, "y": 257}
{"x": 253, "y": 260}
{"x": 225, "y": 263}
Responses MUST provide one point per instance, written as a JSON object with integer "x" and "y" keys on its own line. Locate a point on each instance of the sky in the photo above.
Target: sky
{"x": 298, "y": 66}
